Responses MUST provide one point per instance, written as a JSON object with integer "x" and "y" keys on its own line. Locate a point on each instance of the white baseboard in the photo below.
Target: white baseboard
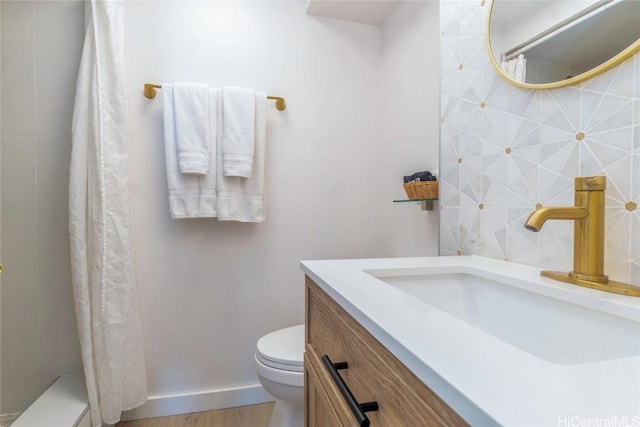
{"x": 175, "y": 404}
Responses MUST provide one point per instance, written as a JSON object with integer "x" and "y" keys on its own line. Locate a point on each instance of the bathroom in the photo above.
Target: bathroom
{"x": 366, "y": 104}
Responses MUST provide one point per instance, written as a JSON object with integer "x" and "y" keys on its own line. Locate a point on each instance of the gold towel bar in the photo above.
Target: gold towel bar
{"x": 150, "y": 92}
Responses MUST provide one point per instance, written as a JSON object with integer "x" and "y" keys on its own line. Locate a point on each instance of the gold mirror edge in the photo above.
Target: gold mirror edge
{"x": 619, "y": 58}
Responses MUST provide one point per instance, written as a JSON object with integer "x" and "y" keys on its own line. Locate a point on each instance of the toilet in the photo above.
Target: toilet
{"x": 279, "y": 364}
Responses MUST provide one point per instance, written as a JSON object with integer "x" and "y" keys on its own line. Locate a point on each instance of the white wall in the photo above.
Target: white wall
{"x": 41, "y": 43}
{"x": 210, "y": 289}
{"x": 409, "y": 123}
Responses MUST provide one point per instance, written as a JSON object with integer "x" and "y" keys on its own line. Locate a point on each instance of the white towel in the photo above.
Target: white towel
{"x": 238, "y": 137}
{"x": 191, "y": 115}
{"x": 242, "y": 199}
{"x": 190, "y": 196}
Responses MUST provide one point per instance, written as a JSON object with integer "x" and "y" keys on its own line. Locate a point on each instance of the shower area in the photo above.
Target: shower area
{"x": 41, "y": 44}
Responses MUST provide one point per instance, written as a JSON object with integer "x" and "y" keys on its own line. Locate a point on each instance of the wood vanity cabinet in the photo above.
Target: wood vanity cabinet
{"x": 373, "y": 374}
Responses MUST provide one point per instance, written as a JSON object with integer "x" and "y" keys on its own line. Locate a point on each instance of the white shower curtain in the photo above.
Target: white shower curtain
{"x": 515, "y": 68}
{"x": 100, "y": 224}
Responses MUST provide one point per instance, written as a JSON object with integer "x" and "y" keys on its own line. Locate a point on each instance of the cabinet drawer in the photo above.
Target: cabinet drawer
{"x": 373, "y": 373}
{"x": 319, "y": 397}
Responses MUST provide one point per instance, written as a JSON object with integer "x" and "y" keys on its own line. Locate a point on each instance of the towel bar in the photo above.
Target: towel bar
{"x": 150, "y": 92}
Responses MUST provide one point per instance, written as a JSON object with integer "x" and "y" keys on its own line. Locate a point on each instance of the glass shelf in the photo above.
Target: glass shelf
{"x": 426, "y": 204}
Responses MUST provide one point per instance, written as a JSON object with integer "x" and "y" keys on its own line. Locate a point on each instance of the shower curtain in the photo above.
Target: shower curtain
{"x": 100, "y": 223}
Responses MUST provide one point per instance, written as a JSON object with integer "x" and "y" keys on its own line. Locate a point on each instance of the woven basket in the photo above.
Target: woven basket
{"x": 421, "y": 190}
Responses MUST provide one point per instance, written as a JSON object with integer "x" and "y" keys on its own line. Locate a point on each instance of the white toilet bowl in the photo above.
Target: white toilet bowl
{"x": 279, "y": 364}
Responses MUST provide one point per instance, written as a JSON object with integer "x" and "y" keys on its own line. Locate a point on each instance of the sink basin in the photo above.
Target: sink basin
{"x": 496, "y": 341}
{"x": 549, "y": 328}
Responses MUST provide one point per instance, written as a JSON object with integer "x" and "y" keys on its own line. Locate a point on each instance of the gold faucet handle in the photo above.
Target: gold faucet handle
{"x": 591, "y": 183}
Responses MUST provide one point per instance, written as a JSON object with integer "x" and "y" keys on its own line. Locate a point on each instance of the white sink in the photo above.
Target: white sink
{"x": 496, "y": 341}
{"x": 546, "y": 327}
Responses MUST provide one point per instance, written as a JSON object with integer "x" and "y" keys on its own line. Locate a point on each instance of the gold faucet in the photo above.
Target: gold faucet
{"x": 588, "y": 245}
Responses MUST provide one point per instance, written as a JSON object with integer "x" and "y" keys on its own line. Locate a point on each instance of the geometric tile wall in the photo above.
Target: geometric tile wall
{"x": 505, "y": 149}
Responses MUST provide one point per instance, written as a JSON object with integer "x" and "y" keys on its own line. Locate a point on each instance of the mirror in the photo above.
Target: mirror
{"x": 545, "y": 44}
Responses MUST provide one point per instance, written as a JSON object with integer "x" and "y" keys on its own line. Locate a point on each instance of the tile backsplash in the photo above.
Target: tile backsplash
{"x": 505, "y": 149}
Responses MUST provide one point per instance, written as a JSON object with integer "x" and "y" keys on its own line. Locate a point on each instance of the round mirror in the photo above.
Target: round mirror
{"x": 545, "y": 44}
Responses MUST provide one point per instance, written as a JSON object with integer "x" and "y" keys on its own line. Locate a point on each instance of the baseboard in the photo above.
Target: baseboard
{"x": 175, "y": 404}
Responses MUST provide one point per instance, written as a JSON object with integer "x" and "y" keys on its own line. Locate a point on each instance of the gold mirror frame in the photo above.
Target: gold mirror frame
{"x": 620, "y": 57}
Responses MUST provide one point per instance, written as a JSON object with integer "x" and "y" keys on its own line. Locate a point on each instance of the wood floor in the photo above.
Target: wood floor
{"x": 244, "y": 416}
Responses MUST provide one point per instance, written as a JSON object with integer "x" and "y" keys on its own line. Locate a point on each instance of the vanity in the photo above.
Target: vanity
{"x": 372, "y": 372}
{"x": 465, "y": 341}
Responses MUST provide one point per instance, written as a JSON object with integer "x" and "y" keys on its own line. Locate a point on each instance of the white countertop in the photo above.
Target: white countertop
{"x": 484, "y": 379}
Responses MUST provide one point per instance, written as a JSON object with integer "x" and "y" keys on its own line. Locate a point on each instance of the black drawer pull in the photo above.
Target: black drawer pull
{"x": 358, "y": 409}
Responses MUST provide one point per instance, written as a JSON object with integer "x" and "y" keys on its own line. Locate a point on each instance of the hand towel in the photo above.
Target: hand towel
{"x": 238, "y": 137}
{"x": 190, "y": 196}
{"x": 191, "y": 115}
{"x": 242, "y": 199}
